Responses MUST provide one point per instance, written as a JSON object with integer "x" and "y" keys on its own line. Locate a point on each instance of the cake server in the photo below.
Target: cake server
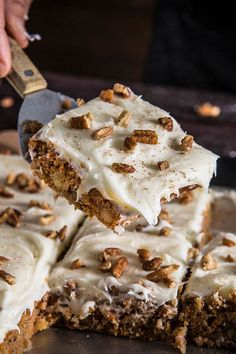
{"x": 39, "y": 103}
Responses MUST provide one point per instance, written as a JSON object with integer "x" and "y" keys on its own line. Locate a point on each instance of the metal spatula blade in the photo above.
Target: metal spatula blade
{"x": 40, "y": 104}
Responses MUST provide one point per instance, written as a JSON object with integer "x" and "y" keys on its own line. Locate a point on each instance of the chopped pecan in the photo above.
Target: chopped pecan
{"x": 207, "y": 110}
{"x": 76, "y": 264}
{"x": 119, "y": 267}
{"x": 165, "y": 231}
{"x": 123, "y": 119}
{"x": 80, "y": 101}
{"x": 145, "y": 136}
{"x": 144, "y": 254}
{"x": 81, "y": 122}
{"x": 105, "y": 265}
{"x": 7, "y": 277}
{"x": 66, "y": 103}
{"x": 61, "y": 234}
{"x": 110, "y": 252}
{"x": 50, "y": 234}
{"x": 10, "y": 179}
{"x": 129, "y": 143}
{"x": 122, "y": 168}
{"x": 40, "y": 205}
{"x": 164, "y": 215}
{"x": 163, "y": 165}
{"x": 11, "y": 216}
{"x": 47, "y": 219}
{"x": 164, "y": 274}
{"x": 166, "y": 123}
{"x": 107, "y": 95}
{"x": 24, "y": 182}
{"x": 186, "y": 143}
{"x": 228, "y": 258}
{"x": 153, "y": 264}
{"x": 4, "y": 193}
{"x": 193, "y": 253}
{"x": 228, "y": 242}
{"x": 103, "y": 133}
{"x": 121, "y": 90}
{"x": 31, "y": 126}
{"x": 208, "y": 262}
{"x": 3, "y": 260}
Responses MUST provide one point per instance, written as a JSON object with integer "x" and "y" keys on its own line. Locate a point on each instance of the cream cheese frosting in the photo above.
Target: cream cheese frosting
{"x": 94, "y": 285}
{"x": 220, "y": 280}
{"x": 139, "y": 192}
{"x": 30, "y": 254}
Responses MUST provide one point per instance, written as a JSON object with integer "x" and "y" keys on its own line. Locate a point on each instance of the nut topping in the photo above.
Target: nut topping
{"x": 61, "y": 234}
{"x": 7, "y": 277}
{"x": 107, "y": 95}
{"x": 186, "y": 143}
{"x": 105, "y": 265}
{"x": 193, "y": 253}
{"x": 76, "y": 264}
{"x": 119, "y": 267}
{"x": 153, "y": 264}
{"x": 11, "y": 216}
{"x": 102, "y": 133}
{"x": 121, "y": 90}
{"x": 207, "y": 110}
{"x": 163, "y": 165}
{"x": 24, "y": 182}
{"x": 4, "y": 193}
{"x": 129, "y": 143}
{"x": 228, "y": 242}
{"x": 47, "y": 219}
{"x": 144, "y": 254}
{"x": 145, "y": 136}
{"x": 80, "y": 101}
{"x": 229, "y": 258}
{"x": 50, "y": 234}
{"x": 10, "y": 179}
{"x": 81, "y": 122}
{"x": 166, "y": 123}
{"x": 164, "y": 274}
{"x": 122, "y": 168}
{"x": 164, "y": 215}
{"x": 123, "y": 119}
{"x": 110, "y": 252}
{"x": 208, "y": 262}
{"x": 165, "y": 231}
{"x": 3, "y": 260}
{"x": 40, "y": 205}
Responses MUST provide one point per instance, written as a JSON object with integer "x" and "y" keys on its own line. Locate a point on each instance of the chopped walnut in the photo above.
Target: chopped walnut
{"x": 76, "y": 264}
{"x": 119, "y": 267}
{"x": 11, "y": 216}
{"x": 186, "y": 143}
{"x": 165, "y": 231}
{"x": 166, "y": 123}
{"x": 129, "y": 143}
{"x": 193, "y": 253}
{"x": 122, "y": 168}
{"x": 123, "y": 119}
{"x": 3, "y": 260}
{"x": 145, "y": 136}
{"x": 105, "y": 265}
{"x": 40, "y": 205}
{"x": 4, "y": 193}
{"x": 7, "y": 277}
{"x": 110, "y": 252}
{"x": 47, "y": 219}
{"x": 107, "y": 95}
{"x": 81, "y": 122}
{"x": 80, "y": 101}
{"x": 228, "y": 242}
{"x": 121, "y": 90}
{"x": 144, "y": 254}
{"x": 208, "y": 262}
{"x": 31, "y": 126}
{"x": 66, "y": 103}
{"x": 103, "y": 133}
{"x": 153, "y": 264}
{"x": 228, "y": 258}
{"x": 163, "y": 165}
{"x": 207, "y": 110}
{"x": 61, "y": 234}
{"x": 164, "y": 274}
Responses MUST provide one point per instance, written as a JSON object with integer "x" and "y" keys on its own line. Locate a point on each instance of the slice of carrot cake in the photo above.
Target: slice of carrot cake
{"x": 118, "y": 157}
{"x": 34, "y": 229}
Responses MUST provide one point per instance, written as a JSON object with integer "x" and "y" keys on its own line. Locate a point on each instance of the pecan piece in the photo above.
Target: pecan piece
{"x": 144, "y": 254}
{"x": 153, "y": 264}
{"x": 163, "y": 165}
{"x": 10, "y": 179}
{"x": 123, "y": 119}
{"x": 105, "y": 265}
{"x": 11, "y": 216}
{"x": 40, "y": 205}
{"x": 119, "y": 267}
{"x": 228, "y": 242}
{"x": 186, "y": 143}
{"x": 80, "y": 101}
{"x": 122, "y": 168}
{"x": 31, "y": 126}
{"x": 166, "y": 123}
{"x": 164, "y": 215}
{"x": 50, "y": 234}
{"x": 129, "y": 143}
{"x": 107, "y": 95}
{"x": 102, "y": 133}
{"x": 165, "y": 231}
{"x": 228, "y": 258}
{"x": 47, "y": 219}
{"x": 61, "y": 234}
{"x": 164, "y": 274}
{"x": 81, "y": 122}
{"x": 27, "y": 183}
{"x": 10, "y": 279}
{"x": 193, "y": 253}
{"x": 145, "y": 136}
{"x": 121, "y": 90}
{"x": 4, "y": 193}
{"x": 76, "y": 264}
{"x": 208, "y": 262}
{"x": 110, "y": 252}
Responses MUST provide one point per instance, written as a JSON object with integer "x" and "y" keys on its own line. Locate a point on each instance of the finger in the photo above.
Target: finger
{"x": 16, "y": 11}
{"x": 5, "y": 55}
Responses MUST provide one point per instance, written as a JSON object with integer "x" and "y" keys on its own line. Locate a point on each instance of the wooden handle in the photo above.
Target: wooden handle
{"x": 24, "y": 76}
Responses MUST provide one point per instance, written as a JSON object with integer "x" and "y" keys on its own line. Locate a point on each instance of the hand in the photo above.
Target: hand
{"x": 13, "y": 14}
